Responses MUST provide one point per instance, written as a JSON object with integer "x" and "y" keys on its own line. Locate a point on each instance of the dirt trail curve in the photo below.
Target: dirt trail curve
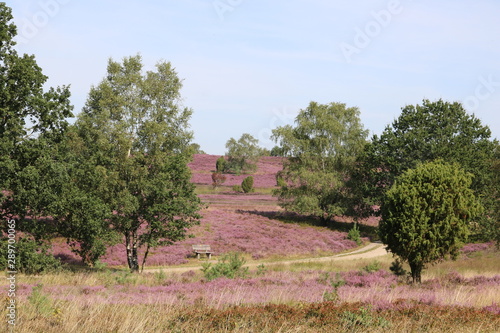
{"x": 371, "y": 250}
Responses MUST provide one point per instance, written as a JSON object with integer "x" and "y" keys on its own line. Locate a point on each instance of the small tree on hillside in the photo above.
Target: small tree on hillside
{"x": 322, "y": 148}
{"x": 218, "y": 179}
{"x": 247, "y": 184}
{"x": 242, "y": 154}
{"x": 425, "y": 214}
{"x": 220, "y": 165}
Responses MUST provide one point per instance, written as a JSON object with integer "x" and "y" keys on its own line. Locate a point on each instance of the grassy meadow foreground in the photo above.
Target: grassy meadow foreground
{"x": 357, "y": 295}
{"x": 276, "y": 293}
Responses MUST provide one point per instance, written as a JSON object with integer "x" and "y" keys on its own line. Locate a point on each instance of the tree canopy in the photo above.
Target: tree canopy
{"x": 26, "y": 110}
{"x": 242, "y": 154}
{"x": 322, "y": 148}
{"x": 134, "y": 130}
{"x": 426, "y": 132}
{"x": 425, "y": 214}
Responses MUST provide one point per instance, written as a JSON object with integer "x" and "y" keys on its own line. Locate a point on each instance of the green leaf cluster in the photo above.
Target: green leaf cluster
{"x": 31, "y": 256}
{"x": 425, "y": 214}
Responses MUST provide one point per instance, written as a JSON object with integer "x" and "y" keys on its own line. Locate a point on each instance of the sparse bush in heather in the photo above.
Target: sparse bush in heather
{"x": 230, "y": 266}
{"x": 261, "y": 269}
{"x": 42, "y": 303}
{"x": 247, "y": 184}
{"x": 362, "y": 320}
{"x": 218, "y": 179}
{"x": 373, "y": 267}
{"x": 220, "y": 165}
{"x": 354, "y": 234}
{"x": 265, "y": 176}
{"x": 237, "y": 188}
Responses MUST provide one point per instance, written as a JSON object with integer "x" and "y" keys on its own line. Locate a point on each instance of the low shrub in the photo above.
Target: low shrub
{"x": 220, "y": 165}
{"x": 230, "y": 266}
{"x": 247, "y": 184}
{"x": 31, "y": 256}
{"x": 373, "y": 267}
{"x": 354, "y": 234}
{"x": 218, "y": 179}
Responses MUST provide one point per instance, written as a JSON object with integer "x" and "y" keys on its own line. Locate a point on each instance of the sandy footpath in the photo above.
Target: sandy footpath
{"x": 371, "y": 250}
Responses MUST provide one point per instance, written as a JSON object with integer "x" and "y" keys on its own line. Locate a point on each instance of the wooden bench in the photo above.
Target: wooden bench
{"x": 199, "y": 249}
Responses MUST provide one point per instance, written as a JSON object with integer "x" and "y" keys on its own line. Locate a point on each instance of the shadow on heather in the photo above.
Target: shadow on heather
{"x": 337, "y": 225}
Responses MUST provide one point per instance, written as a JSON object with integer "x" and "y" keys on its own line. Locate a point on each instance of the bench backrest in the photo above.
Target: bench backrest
{"x": 201, "y": 248}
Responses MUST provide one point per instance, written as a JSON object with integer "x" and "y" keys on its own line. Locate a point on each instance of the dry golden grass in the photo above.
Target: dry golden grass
{"x": 45, "y": 313}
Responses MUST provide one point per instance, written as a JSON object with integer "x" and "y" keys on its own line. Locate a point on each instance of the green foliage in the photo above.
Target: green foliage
{"x": 397, "y": 268}
{"x": 488, "y": 227}
{"x": 32, "y": 123}
{"x": 354, "y": 234}
{"x": 196, "y": 149}
{"x": 261, "y": 269}
{"x": 277, "y": 151}
{"x": 323, "y": 147}
{"x": 242, "y": 154}
{"x": 237, "y": 188}
{"x": 160, "y": 276}
{"x": 426, "y": 132}
{"x": 100, "y": 266}
{"x": 425, "y": 214}
{"x": 247, "y": 184}
{"x": 133, "y": 132}
{"x": 41, "y": 302}
{"x": 31, "y": 257}
{"x": 230, "y": 266}
{"x": 220, "y": 165}
{"x": 280, "y": 182}
{"x": 338, "y": 281}
{"x": 125, "y": 278}
{"x": 362, "y": 320}
{"x": 373, "y": 267}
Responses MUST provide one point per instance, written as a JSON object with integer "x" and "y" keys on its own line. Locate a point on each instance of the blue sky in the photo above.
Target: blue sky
{"x": 250, "y": 65}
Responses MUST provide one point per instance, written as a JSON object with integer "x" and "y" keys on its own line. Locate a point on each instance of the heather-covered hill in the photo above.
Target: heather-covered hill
{"x": 236, "y": 222}
{"x": 203, "y": 165}
{"x": 232, "y": 231}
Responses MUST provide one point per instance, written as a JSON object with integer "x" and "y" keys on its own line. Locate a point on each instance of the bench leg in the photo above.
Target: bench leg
{"x": 198, "y": 255}
{"x": 209, "y": 255}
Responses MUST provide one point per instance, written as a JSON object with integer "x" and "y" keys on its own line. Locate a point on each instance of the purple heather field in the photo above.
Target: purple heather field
{"x": 228, "y": 231}
{"x": 202, "y": 167}
{"x": 380, "y": 289}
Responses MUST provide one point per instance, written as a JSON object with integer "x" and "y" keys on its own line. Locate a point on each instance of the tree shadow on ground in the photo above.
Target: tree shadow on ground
{"x": 339, "y": 224}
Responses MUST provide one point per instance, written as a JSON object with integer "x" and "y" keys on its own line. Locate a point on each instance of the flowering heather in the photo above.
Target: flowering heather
{"x": 379, "y": 289}
{"x": 256, "y": 235}
{"x": 265, "y": 176}
{"x": 475, "y": 247}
